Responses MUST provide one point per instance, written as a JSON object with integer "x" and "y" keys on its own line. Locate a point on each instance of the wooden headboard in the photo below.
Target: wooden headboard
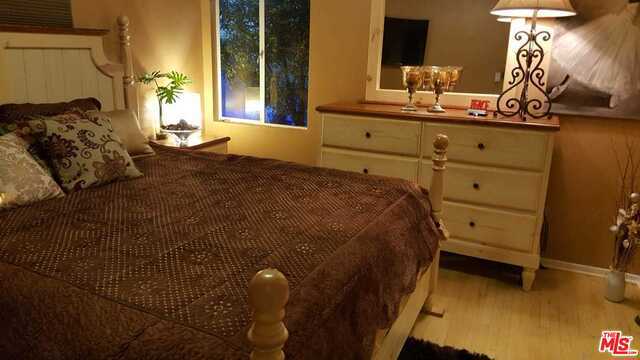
{"x": 40, "y": 65}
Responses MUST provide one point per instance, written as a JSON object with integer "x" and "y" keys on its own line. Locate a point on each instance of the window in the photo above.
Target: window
{"x": 263, "y": 60}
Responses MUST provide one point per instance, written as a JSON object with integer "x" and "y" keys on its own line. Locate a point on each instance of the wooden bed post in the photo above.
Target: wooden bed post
{"x": 269, "y": 289}
{"x": 128, "y": 80}
{"x": 436, "y": 195}
{"x": 436, "y": 189}
{"x": 268, "y": 295}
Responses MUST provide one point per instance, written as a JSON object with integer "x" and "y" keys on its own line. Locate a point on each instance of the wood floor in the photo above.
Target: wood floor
{"x": 561, "y": 318}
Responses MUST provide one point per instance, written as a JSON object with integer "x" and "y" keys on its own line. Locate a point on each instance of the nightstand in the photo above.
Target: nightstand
{"x": 197, "y": 141}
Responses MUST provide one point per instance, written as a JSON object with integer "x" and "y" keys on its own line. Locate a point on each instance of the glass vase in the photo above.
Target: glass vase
{"x": 615, "y": 286}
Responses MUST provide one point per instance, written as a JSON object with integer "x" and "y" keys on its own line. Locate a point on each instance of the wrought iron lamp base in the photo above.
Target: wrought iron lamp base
{"x": 527, "y": 77}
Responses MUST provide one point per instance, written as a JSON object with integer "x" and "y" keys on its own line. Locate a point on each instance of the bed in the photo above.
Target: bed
{"x": 181, "y": 263}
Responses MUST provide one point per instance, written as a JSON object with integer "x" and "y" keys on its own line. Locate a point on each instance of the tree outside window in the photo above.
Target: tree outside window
{"x": 263, "y": 60}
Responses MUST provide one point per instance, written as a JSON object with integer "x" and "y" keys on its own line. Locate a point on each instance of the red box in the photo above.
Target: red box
{"x": 480, "y": 105}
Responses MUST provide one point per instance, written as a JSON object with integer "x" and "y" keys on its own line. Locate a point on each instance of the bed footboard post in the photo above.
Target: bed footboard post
{"x": 268, "y": 295}
{"x": 436, "y": 189}
{"x": 436, "y": 195}
{"x": 128, "y": 80}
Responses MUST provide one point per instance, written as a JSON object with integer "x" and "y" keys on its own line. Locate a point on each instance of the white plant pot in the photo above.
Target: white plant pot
{"x": 615, "y": 286}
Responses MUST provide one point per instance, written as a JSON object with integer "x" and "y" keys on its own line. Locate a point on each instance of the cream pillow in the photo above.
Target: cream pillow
{"x": 22, "y": 180}
{"x": 125, "y": 124}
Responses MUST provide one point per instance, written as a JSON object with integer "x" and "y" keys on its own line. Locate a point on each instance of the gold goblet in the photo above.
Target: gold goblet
{"x": 440, "y": 79}
{"x": 412, "y": 78}
{"x": 455, "y": 75}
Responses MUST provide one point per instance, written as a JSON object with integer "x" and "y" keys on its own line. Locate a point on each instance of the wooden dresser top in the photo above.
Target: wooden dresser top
{"x": 454, "y": 116}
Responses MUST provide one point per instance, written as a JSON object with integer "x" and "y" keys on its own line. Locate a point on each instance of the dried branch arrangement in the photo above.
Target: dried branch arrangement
{"x": 627, "y": 222}
{"x": 628, "y": 162}
{"x": 627, "y": 234}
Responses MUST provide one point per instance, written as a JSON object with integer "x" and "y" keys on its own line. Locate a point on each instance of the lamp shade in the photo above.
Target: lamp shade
{"x": 186, "y": 107}
{"x": 504, "y": 19}
{"x": 527, "y": 8}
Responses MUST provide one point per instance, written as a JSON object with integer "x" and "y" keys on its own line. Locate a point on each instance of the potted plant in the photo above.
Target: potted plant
{"x": 168, "y": 88}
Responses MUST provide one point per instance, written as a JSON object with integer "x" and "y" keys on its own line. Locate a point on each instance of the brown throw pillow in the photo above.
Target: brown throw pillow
{"x": 125, "y": 124}
{"x": 83, "y": 150}
{"x": 10, "y": 113}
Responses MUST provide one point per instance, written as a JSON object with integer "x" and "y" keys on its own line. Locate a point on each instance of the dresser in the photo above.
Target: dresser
{"x": 496, "y": 179}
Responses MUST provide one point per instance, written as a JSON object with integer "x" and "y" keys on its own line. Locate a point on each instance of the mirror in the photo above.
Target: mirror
{"x": 445, "y": 33}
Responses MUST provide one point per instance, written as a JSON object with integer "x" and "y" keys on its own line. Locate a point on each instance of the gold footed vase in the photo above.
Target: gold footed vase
{"x": 437, "y": 107}
{"x": 412, "y": 78}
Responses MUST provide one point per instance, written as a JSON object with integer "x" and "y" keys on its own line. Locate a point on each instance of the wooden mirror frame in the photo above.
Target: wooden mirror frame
{"x": 455, "y": 100}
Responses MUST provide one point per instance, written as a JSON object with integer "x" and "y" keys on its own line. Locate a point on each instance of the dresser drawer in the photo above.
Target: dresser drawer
{"x": 375, "y": 164}
{"x": 489, "y": 186}
{"x": 491, "y": 146}
{"x": 497, "y": 228}
{"x": 387, "y": 136}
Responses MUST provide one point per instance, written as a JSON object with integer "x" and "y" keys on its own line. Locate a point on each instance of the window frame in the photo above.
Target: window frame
{"x": 218, "y": 76}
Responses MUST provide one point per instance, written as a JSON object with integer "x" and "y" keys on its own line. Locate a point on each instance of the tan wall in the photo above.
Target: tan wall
{"x": 168, "y": 35}
{"x": 583, "y": 182}
{"x": 584, "y": 188}
{"x": 453, "y": 40}
{"x": 165, "y": 35}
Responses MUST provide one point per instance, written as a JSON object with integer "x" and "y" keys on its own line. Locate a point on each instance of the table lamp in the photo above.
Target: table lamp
{"x": 529, "y": 75}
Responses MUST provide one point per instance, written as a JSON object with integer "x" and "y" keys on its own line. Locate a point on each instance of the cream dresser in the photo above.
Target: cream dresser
{"x": 496, "y": 179}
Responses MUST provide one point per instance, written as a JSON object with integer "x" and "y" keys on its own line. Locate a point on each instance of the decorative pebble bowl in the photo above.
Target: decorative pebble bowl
{"x": 182, "y": 131}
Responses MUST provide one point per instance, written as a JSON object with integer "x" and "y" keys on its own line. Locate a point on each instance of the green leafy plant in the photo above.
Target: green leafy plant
{"x": 168, "y": 87}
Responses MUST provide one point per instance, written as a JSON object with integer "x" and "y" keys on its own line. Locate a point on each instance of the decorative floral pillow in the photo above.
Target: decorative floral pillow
{"x": 83, "y": 150}
{"x": 22, "y": 180}
{"x": 23, "y": 130}
{"x": 6, "y": 128}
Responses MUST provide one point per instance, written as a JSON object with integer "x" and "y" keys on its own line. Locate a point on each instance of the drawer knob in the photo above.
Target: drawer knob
{"x": 366, "y": 171}
{"x": 472, "y": 224}
{"x": 476, "y": 186}
{"x": 367, "y": 135}
{"x": 481, "y": 146}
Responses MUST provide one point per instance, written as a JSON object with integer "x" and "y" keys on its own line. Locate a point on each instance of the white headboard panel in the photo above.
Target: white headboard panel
{"x": 43, "y": 75}
{"x": 54, "y": 67}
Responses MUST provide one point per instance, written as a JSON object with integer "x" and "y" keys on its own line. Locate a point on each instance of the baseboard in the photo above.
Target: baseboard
{"x": 584, "y": 269}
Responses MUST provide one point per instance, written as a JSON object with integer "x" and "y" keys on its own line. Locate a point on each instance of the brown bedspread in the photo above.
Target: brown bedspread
{"x": 158, "y": 267}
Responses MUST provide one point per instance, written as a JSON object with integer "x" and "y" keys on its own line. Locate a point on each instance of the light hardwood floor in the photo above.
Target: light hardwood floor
{"x": 561, "y": 318}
